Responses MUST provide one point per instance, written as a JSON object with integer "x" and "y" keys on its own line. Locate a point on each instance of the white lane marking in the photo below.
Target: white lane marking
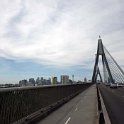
{"x": 76, "y": 109}
{"x": 68, "y": 120}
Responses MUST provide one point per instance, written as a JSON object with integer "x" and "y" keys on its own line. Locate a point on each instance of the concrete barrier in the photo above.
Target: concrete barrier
{"x": 103, "y": 115}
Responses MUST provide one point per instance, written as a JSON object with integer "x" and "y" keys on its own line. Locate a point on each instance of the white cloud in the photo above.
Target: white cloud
{"x": 59, "y": 32}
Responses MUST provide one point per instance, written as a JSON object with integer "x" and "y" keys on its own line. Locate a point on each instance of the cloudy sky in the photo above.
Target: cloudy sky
{"x": 54, "y": 37}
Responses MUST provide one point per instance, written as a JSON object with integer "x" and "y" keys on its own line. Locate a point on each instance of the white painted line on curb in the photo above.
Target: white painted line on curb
{"x": 68, "y": 120}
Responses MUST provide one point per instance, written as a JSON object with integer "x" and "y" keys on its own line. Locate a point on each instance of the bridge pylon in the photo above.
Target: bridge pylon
{"x": 96, "y": 71}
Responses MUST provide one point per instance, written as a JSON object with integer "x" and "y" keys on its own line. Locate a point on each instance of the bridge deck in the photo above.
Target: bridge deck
{"x": 114, "y": 102}
{"x": 80, "y": 110}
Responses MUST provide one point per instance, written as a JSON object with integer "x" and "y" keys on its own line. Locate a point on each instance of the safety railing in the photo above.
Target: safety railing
{"x": 17, "y": 103}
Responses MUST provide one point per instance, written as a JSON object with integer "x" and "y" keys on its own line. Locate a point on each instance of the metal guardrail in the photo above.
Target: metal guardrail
{"x": 17, "y": 103}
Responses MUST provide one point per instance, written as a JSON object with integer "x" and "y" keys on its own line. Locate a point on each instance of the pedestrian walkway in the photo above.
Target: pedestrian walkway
{"x": 80, "y": 110}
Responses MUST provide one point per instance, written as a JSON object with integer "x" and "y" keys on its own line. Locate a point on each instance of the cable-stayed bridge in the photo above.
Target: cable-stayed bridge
{"x": 112, "y": 72}
{"x": 98, "y": 102}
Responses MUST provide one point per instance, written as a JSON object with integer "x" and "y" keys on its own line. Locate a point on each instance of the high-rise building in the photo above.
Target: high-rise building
{"x": 72, "y": 78}
{"x": 38, "y": 81}
{"x": 32, "y": 81}
{"x": 64, "y": 79}
{"x": 23, "y": 83}
{"x": 54, "y": 80}
{"x": 85, "y": 79}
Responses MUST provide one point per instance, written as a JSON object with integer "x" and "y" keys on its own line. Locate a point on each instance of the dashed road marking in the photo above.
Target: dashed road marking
{"x": 68, "y": 120}
{"x": 76, "y": 109}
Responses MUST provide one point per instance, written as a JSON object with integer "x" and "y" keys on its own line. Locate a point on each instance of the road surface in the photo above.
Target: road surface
{"x": 80, "y": 110}
{"x": 114, "y": 102}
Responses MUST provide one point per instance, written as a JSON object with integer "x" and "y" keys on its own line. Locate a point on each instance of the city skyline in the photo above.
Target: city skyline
{"x": 51, "y": 38}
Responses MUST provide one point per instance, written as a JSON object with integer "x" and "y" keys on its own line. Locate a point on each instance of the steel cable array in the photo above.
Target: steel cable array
{"x": 116, "y": 71}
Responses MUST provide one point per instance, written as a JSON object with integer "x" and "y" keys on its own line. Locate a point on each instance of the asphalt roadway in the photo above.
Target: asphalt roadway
{"x": 114, "y": 102}
{"x": 80, "y": 110}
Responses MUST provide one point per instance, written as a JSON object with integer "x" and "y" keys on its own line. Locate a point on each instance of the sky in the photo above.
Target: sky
{"x": 55, "y": 37}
